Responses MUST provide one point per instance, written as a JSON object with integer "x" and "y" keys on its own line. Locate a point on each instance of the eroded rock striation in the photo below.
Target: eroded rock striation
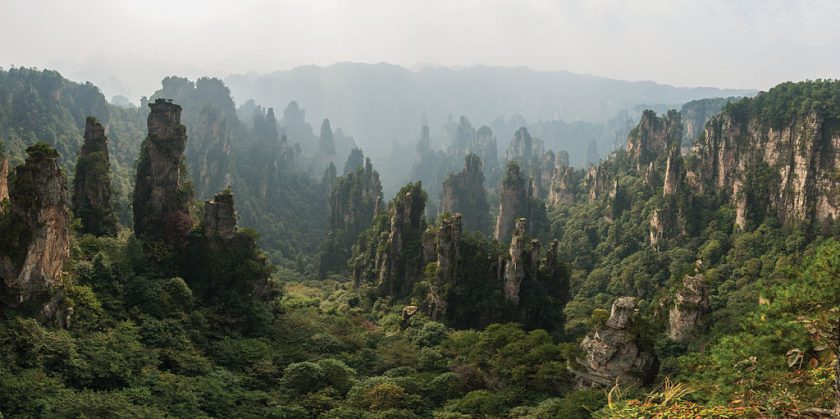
{"x": 653, "y": 137}
{"x": 764, "y": 165}
{"x": 464, "y": 193}
{"x": 691, "y": 303}
{"x": 614, "y": 353}
{"x": 563, "y": 188}
{"x": 35, "y": 242}
{"x": 92, "y": 183}
{"x": 161, "y": 200}
{"x": 4, "y": 180}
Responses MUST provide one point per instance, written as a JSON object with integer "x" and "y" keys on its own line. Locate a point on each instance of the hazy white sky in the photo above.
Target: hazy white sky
{"x": 743, "y": 43}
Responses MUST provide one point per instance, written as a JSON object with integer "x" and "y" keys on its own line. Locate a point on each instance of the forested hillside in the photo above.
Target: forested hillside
{"x": 665, "y": 281}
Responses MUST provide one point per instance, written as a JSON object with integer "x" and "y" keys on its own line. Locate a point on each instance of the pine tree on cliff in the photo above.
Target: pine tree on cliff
{"x": 92, "y": 183}
{"x": 464, "y": 193}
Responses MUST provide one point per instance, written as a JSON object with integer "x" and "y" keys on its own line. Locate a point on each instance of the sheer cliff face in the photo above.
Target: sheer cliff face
{"x": 354, "y": 201}
{"x": 4, "y": 180}
{"x": 389, "y": 255}
{"x": 653, "y": 137}
{"x": 36, "y": 244}
{"x": 220, "y": 216}
{"x": 465, "y": 193}
{"x": 513, "y": 202}
{"x": 788, "y": 170}
{"x": 92, "y": 183}
{"x": 160, "y": 198}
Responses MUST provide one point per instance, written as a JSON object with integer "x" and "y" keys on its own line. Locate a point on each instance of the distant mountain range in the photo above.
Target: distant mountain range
{"x": 382, "y": 103}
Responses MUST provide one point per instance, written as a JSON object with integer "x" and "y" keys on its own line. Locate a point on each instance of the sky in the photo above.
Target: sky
{"x": 127, "y": 44}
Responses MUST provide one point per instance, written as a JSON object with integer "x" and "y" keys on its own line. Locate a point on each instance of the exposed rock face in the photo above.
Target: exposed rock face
{"x": 354, "y": 201}
{"x": 465, "y": 193}
{"x": 524, "y": 148}
{"x": 653, "y": 137}
{"x": 563, "y": 186}
{"x": 92, "y": 183}
{"x": 390, "y": 254}
{"x": 160, "y": 199}
{"x": 787, "y": 169}
{"x": 220, "y": 216}
{"x": 515, "y": 201}
{"x": 690, "y": 304}
{"x": 697, "y": 113}
{"x": 673, "y": 172}
{"x": 36, "y": 245}
{"x": 209, "y": 153}
{"x": 465, "y": 140}
{"x": 447, "y": 248}
{"x": 519, "y": 262}
{"x": 4, "y": 180}
{"x": 614, "y": 353}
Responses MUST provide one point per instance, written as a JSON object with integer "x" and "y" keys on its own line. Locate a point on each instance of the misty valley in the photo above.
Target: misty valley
{"x": 371, "y": 241}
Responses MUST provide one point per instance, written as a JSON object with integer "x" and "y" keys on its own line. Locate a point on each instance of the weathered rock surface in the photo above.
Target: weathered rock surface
{"x": 464, "y": 193}
{"x": 524, "y": 148}
{"x": 673, "y": 172}
{"x": 516, "y": 201}
{"x": 220, "y": 216}
{"x": 92, "y": 183}
{"x": 4, "y": 179}
{"x": 390, "y": 254}
{"x": 690, "y": 305}
{"x": 35, "y": 244}
{"x": 697, "y": 113}
{"x": 354, "y": 202}
{"x": 787, "y": 170}
{"x": 160, "y": 200}
{"x": 563, "y": 186}
{"x": 614, "y": 353}
{"x": 447, "y": 249}
{"x": 515, "y": 267}
{"x": 653, "y": 137}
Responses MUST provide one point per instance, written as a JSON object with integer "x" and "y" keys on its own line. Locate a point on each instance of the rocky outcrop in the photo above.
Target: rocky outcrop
{"x": 515, "y": 201}
{"x": 697, "y": 113}
{"x": 447, "y": 249}
{"x": 563, "y": 186}
{"x": 220, "y": 216}
{"x": 161, "y": 200}
{"x": 389, "y": 255}
{"x": 521, "y": 260}
{"x": 4, "y": 180}
{"x": 651, "y": 140}
{"x": 614, "y": 353}
{"x": 691, "y": 303}
{"x": 783, "y": 166}
{"x": 464, "y": 193}
{"x": 354, "y": 201}
{"x": 673, "y": 172}
{"x": 92, "y": 183}
{"x": 35, "y": 242}
{"x": 524, "y": 148}
{"x": 209, "y": 152}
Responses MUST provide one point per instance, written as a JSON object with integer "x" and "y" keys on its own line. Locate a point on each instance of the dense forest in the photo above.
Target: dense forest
{"x": 192, "y": 258}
